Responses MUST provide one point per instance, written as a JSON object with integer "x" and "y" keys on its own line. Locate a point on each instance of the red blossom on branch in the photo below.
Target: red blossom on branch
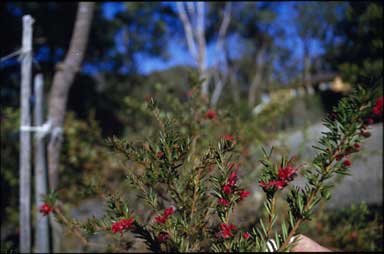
{"x": 378, "y": 108}
{"x": 227, "y": 189}
{"x": 347, "y": 163}
{"x": 159, "y": 154}
{"x": 223, "y": 202}
{"x": 226, "y": 230}
{"x": 339, "y": 157}
{"x": 246, "y": 235}
{"x": 121, "y": 225}
{"x": 160, "y": 219}
{"x": 163, "y": 236}
{"x": 229, "y": 138}
{"x": 285, "y": 176}
{"x": 232, "y": 179}
{"x": 167, "y": 212}
{"x": 287, "y": 173}
{"x": 369, "y": 121}
{"x": 45, "y": 209}
{"x": 210, "y": 114}
{"x": 243, "y": 194}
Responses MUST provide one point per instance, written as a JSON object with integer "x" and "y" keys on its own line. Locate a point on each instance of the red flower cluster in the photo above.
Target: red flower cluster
{"x": 45, "y": 209}
{"x": 167, "y": 212}
{"x": 229, "y": 138}
{"x": 232, "y": 179}
{"x": 223, "y": 202}
{"x": 243, "y": 194}
{"x": 347, "y": 163}
{"x": 163, "y": 236}
{"x": 210, "y": 114}
{"x": 285, "y": 176}
{"x": 369, "y": 121}
{"x": 121, "y": 225}
{"x": 226, "y": 230}
{"x": 159, "y": 154}
{"x": 246, "y": 235}
{"x": 378, "y": 108}
{"x": 227, "y": 189}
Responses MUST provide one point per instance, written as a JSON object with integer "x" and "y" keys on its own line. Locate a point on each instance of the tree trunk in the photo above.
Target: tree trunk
{"x": 232, "y": 70}
{"x": 221, "y": 76}
{"x": 41, "y": 227}
{"x": 306, "y": 67}
{"x": 25, "y": 138}
{"x": 195, "y": 35}
{"x": 62, "y": 82}
{"x": 257, "y": 77}
{"x": 202, "y": 49}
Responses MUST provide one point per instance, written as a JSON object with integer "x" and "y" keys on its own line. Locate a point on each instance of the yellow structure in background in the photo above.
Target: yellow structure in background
{"x": 339, "y": 86}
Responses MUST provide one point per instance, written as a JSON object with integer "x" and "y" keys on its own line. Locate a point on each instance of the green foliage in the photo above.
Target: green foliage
{"x": 354, "y": 228}
{"x": 186, "y": 175}
{"x": 9, "y": 163}
{"x": 360, "y": 48}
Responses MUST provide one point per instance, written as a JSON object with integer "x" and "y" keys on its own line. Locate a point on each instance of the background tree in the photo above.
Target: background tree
{"x": 359, "y": 47}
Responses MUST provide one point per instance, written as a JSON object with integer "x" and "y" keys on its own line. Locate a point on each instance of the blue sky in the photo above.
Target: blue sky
{"x": 176, "y": 47}
{"x": 179, "y": 54}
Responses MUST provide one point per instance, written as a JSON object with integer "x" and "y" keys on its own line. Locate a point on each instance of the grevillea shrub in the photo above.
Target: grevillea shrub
{"x": 191, "y": 190}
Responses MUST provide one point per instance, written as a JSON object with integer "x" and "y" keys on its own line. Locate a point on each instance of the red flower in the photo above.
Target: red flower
{"x": 263, "y": 185}
{"x": 243, "y": 194}
{"x": 229, "y": 138}
{"x": 232, "y": 179}
{"x": 279, "y": 184}
{"x": 226, "y": 230}
{"x": 159, "y": 154}
{"x": 339, "y": 157}
{"x": 227, "y": 189}
{"x": 223, "y": 202}
{"x": 211, "y": 114}
{"x": 169, "y": 211}
{"x": 357, "y": 146}
{"x": 121, "y": 225}
{"x": 369, "y": 121}
{"x": 163, "y": 236}
{"x": 246, "y": 235}
{"x": 287, "y": 173}
{"x": 378, "y": 108}
{"x": 45, "y": 209}
{"x": 160, "y": 219}
{"x": 347, "y": 163}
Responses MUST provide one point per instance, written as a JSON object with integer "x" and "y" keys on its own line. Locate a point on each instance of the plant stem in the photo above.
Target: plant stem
{"x": 313, "y": 193}
{"x": 73, "y": 230}
{"x": 271, "y": 214}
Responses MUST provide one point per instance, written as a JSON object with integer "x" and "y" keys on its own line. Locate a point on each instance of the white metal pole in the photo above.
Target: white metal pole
{"x": 25, "y": 138}
{"x": 41, "y": 227}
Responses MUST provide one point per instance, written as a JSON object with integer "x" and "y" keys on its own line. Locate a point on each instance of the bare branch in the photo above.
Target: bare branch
{"x": 187, "y": 29}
